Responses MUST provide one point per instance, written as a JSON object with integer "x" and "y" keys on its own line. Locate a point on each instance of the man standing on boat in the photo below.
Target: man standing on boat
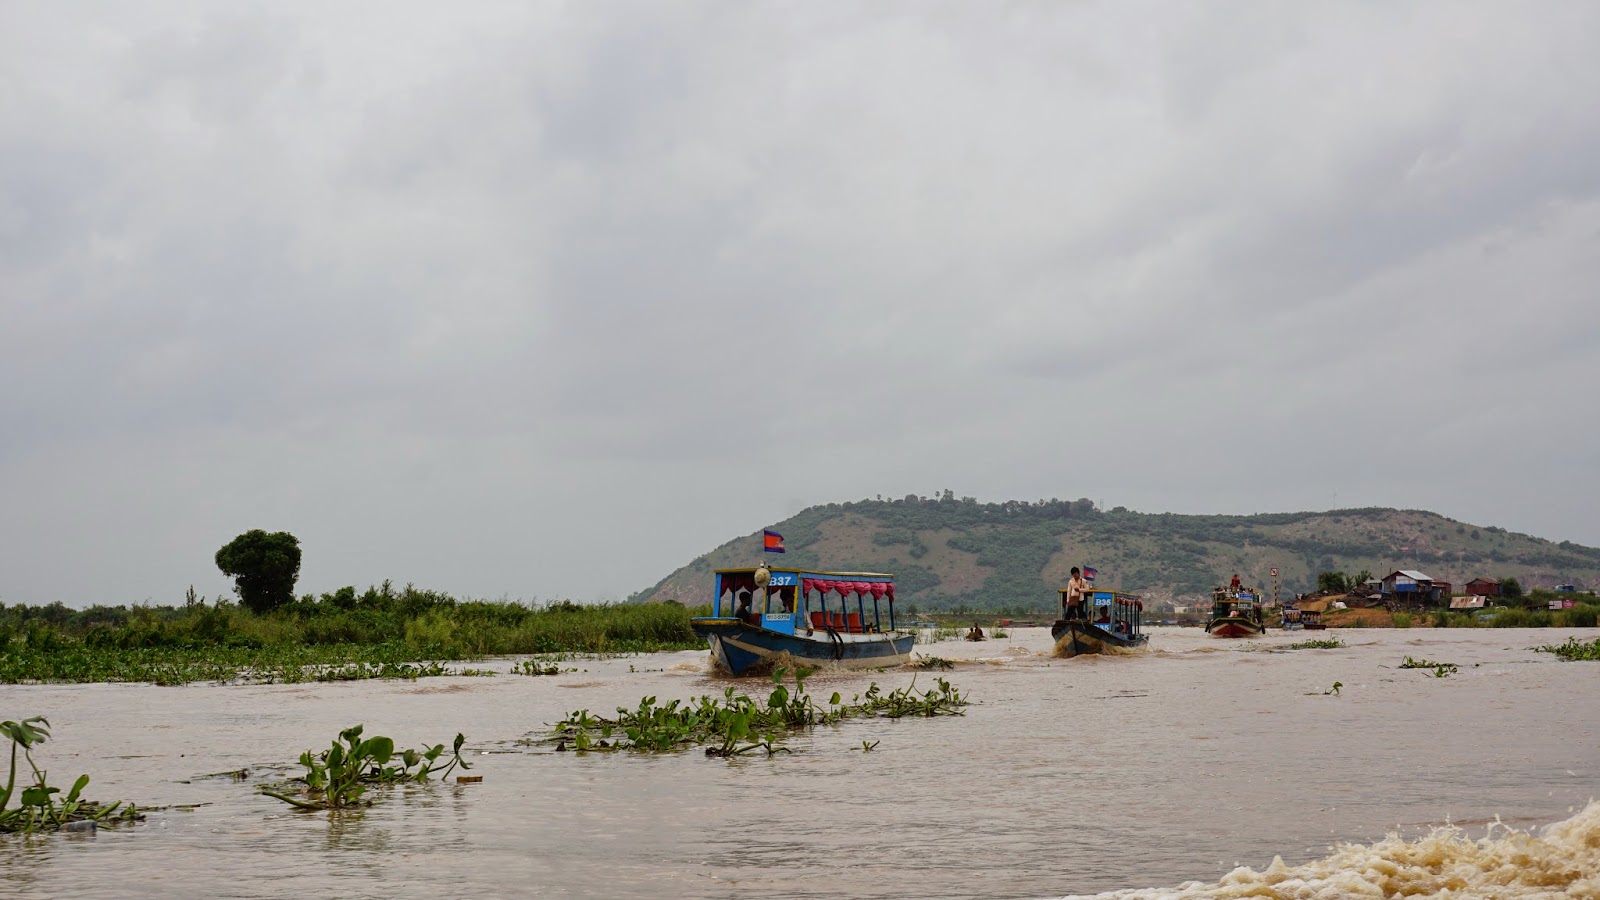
{"x": 1076, "y": 589}
{"x": 1234, "y": 584}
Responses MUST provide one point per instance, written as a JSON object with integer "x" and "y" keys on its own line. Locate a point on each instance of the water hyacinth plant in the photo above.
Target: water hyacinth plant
{"x": 337, "y": 777}
{"x": 39, "y": 808}
{"x": 735, "y": 724}
{"x": 1573, "y": 649}
{"x": 1440, "y": 670}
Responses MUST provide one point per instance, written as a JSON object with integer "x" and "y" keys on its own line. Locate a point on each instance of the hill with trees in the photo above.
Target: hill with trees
{"x": 960, "y": 555}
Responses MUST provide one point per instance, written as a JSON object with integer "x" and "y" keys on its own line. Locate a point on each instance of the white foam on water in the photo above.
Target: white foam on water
{"x": 1560, "y": 861}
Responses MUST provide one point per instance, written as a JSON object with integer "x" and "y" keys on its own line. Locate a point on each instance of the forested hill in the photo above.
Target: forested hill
{"x": 949, "y": 553}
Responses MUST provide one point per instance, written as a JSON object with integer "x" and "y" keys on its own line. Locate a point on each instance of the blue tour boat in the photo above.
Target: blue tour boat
{"x": 1107, "y": 619}
{"x": 760, "y": 615}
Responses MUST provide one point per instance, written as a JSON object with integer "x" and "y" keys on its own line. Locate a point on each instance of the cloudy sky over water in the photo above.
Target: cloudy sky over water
{"x": 540, "y": 300}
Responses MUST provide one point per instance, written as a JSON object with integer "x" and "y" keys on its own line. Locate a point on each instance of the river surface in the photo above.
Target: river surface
{"x": 1151, "y": 775}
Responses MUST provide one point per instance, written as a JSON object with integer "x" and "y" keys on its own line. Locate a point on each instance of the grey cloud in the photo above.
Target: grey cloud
{"x": 454, "y": 292}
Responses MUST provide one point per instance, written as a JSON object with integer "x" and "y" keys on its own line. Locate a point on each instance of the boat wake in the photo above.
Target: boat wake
{"x": 1560, "y": 861}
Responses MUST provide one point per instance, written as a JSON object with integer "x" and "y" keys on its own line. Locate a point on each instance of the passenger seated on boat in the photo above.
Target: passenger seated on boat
{"x": 976, "y": 634}
{"x": 742, "y": 608}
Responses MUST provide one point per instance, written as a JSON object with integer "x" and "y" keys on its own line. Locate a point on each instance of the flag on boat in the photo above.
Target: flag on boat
{"x": 1089, "y": 573}
{"x": 771, "y": 541}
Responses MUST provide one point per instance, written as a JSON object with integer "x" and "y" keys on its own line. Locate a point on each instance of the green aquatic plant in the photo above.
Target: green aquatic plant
{"x": 933, "y": 662}
{"x": 1440, "y": 670}
{"x": 39, "y": 808}
{"x": 1335, "y": 689}
{"x": 1573, "y": 649}
{"x": 337, "y": 777}
{"x": 867, "y": 746}
{"x": 734, "y": 724}
{"x": 536, "y": 667}
{"x": 1319, "y": 644}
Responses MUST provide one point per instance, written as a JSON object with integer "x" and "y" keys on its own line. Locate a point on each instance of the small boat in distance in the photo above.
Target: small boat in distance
{"x": 1107, "y": 619}
{"x": 1292, "y": 620}
{"x": 1311, "y": 620}
{"x": 759, "y": 615}
{"x": 1236, "y": 613}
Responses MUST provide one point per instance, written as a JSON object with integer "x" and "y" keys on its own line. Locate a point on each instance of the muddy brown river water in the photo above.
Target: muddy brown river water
{"x": 1153, "y": 775}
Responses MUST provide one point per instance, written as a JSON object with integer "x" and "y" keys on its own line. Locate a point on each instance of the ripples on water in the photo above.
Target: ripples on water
{"x": 1219, "y": 768}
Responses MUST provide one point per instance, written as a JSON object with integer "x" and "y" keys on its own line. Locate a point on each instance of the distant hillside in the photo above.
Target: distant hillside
{"x": 949, "y": 553}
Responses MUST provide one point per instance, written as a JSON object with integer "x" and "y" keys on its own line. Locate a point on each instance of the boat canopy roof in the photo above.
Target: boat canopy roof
{"x": 875, "y": 584}
{"x": 1120, "y": 595}
{"x": 810, "y": 573}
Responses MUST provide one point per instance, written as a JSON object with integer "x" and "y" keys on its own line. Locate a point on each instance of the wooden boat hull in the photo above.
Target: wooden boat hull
{"x": 745, "y": 649}
{"x": 1075, "y": 638}
{"x": 1235, "y": 626}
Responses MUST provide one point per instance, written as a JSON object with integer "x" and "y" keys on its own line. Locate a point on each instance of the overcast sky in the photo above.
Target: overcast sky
{"x": 542, "y": 300}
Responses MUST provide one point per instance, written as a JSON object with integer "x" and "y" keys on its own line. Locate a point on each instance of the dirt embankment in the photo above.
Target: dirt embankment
{"x": 1360, "y": 618}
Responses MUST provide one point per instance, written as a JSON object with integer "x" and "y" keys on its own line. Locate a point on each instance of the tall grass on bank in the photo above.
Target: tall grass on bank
{"x": 1580, "y": 616}
{"x": 382, "y": 627}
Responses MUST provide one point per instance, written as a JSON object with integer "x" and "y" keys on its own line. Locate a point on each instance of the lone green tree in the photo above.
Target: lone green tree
{"x": 263, "y": 568}
{"x": 1510, "y": 587}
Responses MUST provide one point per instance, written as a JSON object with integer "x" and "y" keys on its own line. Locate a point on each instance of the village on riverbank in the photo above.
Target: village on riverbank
{"x": 1409, "y": 597}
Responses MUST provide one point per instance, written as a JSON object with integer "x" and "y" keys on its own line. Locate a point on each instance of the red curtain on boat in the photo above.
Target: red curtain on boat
{"x": 739, "y": 581}
{"x": 877, "y": 588}
{"x": 820, "y": 585}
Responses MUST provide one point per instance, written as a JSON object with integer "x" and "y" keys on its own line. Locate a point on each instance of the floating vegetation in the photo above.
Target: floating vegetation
{"x": 866, "y": 746}
{"x": 1573, "y": 649}
{"x": 1440, "y": 670}
{"x": 1335, "y": 689}
{"x": 536, "y": 667}
{"x": 337, "y": 777}
{"x": 169, "y": 666}
{"x": 39, "y": 808}
{"x": 932, "y": 662}
{"x": 735, "y": 724}
{"x": 939, "y": 633}
{"x": 1319, "y": 644}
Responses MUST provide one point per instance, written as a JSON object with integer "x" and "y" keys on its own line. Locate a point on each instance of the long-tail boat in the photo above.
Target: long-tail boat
{"x": 1104, "y": 619}
{"x": 1236, "y": 613}
{"x": 760, "y": 615}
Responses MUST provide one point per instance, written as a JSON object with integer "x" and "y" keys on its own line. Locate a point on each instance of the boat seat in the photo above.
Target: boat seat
{"x": 853, "y": 623}
{"x": 818, "y": 620}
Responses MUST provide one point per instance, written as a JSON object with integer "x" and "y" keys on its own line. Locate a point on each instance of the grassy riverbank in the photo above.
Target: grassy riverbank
{"x": 1581, "y": 616}
{"x": 342, "y": 634}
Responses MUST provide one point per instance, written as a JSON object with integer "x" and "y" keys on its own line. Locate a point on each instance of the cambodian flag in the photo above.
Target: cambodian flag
{"x": 1089, "y": 573}
{"x": 772, "y": 542}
